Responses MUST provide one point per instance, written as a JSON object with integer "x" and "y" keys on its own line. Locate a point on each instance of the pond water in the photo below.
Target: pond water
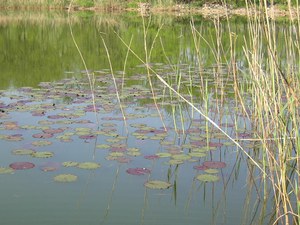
{"x": 135, "y": 159}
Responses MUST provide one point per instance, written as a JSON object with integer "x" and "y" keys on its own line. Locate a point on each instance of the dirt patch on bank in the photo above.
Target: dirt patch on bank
{"x": 213, "y": 10}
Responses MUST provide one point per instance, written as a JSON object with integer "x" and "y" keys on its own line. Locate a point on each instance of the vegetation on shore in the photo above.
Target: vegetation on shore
{"x": 158, "y": 5}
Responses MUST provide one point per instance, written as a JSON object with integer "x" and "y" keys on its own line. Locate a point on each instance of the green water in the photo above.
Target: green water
{"x": 38, "y": 47}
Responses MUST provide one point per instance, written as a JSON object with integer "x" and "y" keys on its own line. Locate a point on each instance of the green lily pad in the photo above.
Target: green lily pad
{"x": 157, "y": 184}
{"x": 163, "y": 154}
{"x": 133, "y": 150}
{"x": 134, "y": 153}
{"x": 88, "y": 165}
{"x": 6, "y": 170}
{"x": 41, "y": 143}
{"x": 207, "y": 178}
{"x": 22, "y": 151}
{"x": 181, "y": 157}
{"x": 65, "y": 178}
{"x": 42, "y": 154}
{"x": 211, "y": 171}
{"x": 70, "y": 164}
{"x": 175, "y": 161}
{"x": 116, "y": 154}
{"x": 103, "y": 146}
{"x": 197, "y": 154}
{"x": 113, "y": 140}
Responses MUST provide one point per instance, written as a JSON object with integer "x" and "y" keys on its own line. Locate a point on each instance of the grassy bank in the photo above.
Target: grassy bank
{"x": 205, "y": 7}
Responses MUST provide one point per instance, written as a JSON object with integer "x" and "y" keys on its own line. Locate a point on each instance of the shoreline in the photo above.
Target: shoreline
{"x": 211, "y": 10}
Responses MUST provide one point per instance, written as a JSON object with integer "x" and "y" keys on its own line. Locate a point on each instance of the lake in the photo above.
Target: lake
{"x": 101, "y": 144}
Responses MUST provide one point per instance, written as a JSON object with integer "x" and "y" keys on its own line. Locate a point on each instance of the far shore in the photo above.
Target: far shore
{"x": 212, "y": 10}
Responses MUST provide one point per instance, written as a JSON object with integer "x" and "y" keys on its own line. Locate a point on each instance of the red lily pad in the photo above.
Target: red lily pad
{"x": 14, "y": 137}
{"x": 89, "y": 136}
{"x": 151, "y": 157}
{"x": 212, "y": 144}
{"x": 53, "y": 131}
{"x": 138, "y": 171}
{"x": 201, "y": 167}
{"x": 21, "y": 165}
{"x": 42, "y": 135}
{"x": 49, "y": 166}
{"x": 214, "y": 164}
{"x": 123, "y": 160}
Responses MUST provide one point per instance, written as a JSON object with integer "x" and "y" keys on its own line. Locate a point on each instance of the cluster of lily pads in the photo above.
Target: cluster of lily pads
{"x": 62, "y": 111}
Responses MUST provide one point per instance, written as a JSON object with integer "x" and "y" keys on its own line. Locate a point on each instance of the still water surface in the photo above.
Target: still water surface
{"x": 37, "y": 52}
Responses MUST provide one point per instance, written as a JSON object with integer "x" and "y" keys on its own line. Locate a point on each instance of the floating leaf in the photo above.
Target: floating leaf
{"x": 197, "y": 154}
{"x": 151, "y": 157}
{"x": 42, "y": 154}
{"x": 207, "y": 178}
{"x": 163, "y": 154}
{"x": 22, "y": 151}
{"x": 42, "y": 135}
{"x": 134, "y": 153}
{"x": 138, "y": 171}
{"x": 181, "y": 157}
{"x": 53, "y": 131}
{"x": 116, "y": 154}
{"x": 133, "y": 149}
{"x": 65, "y": 178}
{"x": 14, "y": 137}
{"x": 103, "y": 146}
{"x": 211, "y": 171}
{"x": 6, "y": 170}
{"x": 49, "y": 166}
{"x": 89, "y": 136}
{"x": 201, "y": 167}
{"x": 21, "y": 165}
{"x": 157, "y": 184}
{"x": 41, "y": 143}
{"x": 214, "y": 164}
{"x": 70, "y": 164}
{"x": 123, "y": 160}
{"x": 175, "y": 161}
{"x": 88, "y": 165}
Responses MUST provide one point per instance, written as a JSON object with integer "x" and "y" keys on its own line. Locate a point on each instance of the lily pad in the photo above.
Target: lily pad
{"x": 134, "y": 153}
{"x": 22, "y": 151}
{"x": 181, "y": 157}
{"x": 116, "y": 154}
{"x": 41, "y": 143}
{"x": 88, "y": 136}
{"x": 138, "y": 171}
{"x": 88, "y": 165}
{"x": 163, "y": 154}
{"x": 70, "y": 164}
{"x": 14, "y": 137}
{"x": 207, "y": 178}
{"x": 65, "y": 178}
{"x": 103, "y": 146}
{"x": 6, "y": 170}
{"x": 214, "y": 164}
{"x": 53, "y": 131}
{"x": 42, "y": 135}
{"x": 197, "y": 154}
{"x": 21, "y": 165}
{"x": 157, "y": 184}
{"x": 49, "y": 166}
{"x": 151, "y": 157}
{"x": 211, "y": 171}
{"x": 201, "y": 167}
{"x": 42, "y": 154}
{"x": 175, "y": 161}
